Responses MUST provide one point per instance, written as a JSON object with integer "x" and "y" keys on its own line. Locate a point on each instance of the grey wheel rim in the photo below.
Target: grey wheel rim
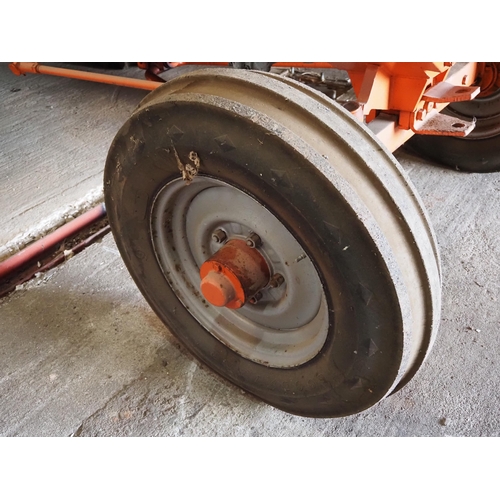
{"x": 289, "y": 324}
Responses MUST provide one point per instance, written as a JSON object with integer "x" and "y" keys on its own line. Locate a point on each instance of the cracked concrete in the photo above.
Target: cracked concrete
{"x": 82, "y": 354}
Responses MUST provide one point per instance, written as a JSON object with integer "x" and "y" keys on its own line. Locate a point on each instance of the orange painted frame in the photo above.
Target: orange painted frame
{"x": 392, "y": 95}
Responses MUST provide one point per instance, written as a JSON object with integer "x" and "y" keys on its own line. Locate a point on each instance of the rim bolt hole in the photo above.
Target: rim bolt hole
{"x": 254, "y": 241}
{"x": 253, "y": 300}
{"x": 276, "y": 280}
{"x": 219, "y": 236}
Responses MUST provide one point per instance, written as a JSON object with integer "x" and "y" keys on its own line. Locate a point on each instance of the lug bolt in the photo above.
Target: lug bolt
{"x": 255, "y": 298}
{"x": 276, "y": 280}
{"x": 254, "y": 241}
{"x": 219, "y": 236}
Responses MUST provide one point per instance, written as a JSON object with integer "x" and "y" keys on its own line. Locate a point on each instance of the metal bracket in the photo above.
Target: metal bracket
{"x": 446, "y": 92}
{"x": 436, "y": 123}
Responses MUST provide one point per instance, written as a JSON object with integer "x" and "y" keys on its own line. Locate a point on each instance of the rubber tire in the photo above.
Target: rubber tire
{"x": 478, "y": 152}
{"x": 366, "y": 354}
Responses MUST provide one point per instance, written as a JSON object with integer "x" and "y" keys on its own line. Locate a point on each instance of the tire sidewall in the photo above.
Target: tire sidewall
{"x": 360, "y": 359}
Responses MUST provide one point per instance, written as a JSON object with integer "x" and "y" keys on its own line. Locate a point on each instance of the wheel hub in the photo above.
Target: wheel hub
{"x": 233, "y": 274}
{"x": 211, "y": 227}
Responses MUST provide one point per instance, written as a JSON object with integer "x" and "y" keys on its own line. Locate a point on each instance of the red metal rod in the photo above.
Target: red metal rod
{"x": 37, "y": 248}
{"x": 59, "y": 259}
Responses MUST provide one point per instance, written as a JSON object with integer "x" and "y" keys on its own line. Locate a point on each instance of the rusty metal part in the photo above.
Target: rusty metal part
{"x": 398, "y": 125}
{"x": 334, "y": 86}
{"x": 218, "y": 288}
{"x": 17, "y": 261}
{"x": 445, "y": 92}
{"x": 276, "y": 280}
{"x": 43, "y": 265}
{"x": 254, "y": 241}
{"x": 219, "y": 236}
{"x": 20, "y": 68}
{"x": 436, "y": 123}
{"x": 256, "y": 298}
{"x": 57, "y": 248}
{"x": 479, "y": 151}
{"x": 153, "y": 70}
{"x": 257, "y": 66}
{"x": 233, "y": 274}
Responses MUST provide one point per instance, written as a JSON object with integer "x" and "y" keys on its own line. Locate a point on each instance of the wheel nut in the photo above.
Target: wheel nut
{"x": 219, "y": 236}
{"x": 276, "y": 280}
{"x": 254, "y": 241}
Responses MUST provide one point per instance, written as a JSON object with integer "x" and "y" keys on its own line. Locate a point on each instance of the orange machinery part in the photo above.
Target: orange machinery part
{"x": 392, "y": 95}
{"x": 233, "y": 274}
{"x": 19, "y": 68}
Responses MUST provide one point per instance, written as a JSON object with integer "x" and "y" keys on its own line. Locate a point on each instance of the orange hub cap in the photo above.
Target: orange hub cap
{"x": 217, "y": 289}
{"x": 233, "y": 274}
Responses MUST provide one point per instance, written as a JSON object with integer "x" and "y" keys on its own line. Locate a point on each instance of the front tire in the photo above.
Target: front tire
{"x": 257, "y": 153}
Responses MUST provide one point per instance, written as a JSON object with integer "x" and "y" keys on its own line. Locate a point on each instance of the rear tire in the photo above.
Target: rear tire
{"x": 479, "y": 151}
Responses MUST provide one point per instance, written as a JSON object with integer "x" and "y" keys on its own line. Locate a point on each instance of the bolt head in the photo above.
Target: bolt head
{"x": 255, "y": 298}
{"x": 276, "y": 280}
{"x": 254, "y": 241}
{"x": 219, "y": 236}
{"x": 421, "y": 113}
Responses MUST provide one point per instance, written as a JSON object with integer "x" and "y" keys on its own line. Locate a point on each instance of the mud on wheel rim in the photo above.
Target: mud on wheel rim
{"x": 282, "y": 148}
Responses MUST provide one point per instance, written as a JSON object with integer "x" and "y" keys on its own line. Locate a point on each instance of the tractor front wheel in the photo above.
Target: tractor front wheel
{"x": 276, "y": 238}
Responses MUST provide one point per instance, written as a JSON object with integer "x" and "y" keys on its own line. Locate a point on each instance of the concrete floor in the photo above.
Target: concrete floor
{"x": 55, "y": 134}
{"x": 82, "y": 354}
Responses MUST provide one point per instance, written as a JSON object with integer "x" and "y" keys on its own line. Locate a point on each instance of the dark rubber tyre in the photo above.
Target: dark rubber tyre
{"x": 479, "y": 151}
{"x": 360, "y": 306}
